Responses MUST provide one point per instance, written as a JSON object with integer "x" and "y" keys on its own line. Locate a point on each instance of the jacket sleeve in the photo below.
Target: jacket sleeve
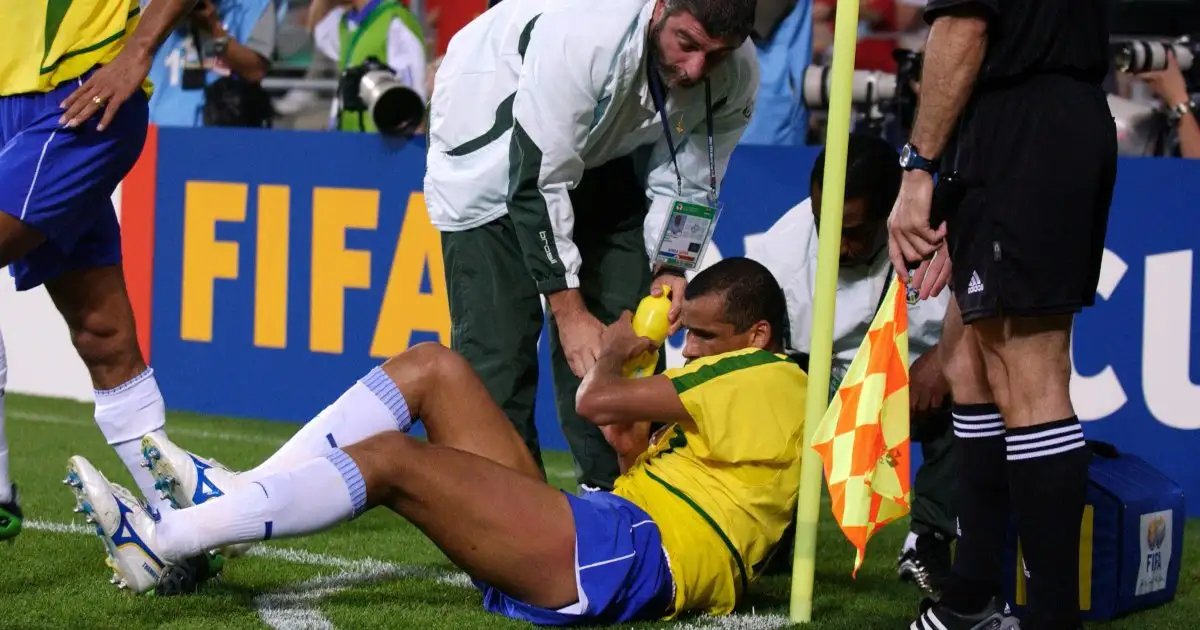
{"x": 729, "y": 123}
{"x": 552, "y": 112}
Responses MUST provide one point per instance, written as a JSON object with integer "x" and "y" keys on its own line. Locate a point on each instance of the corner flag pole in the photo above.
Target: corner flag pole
{"x": 833, "y": 188}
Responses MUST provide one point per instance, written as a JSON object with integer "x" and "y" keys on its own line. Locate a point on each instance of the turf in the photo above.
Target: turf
{"x": 377, "y": 572}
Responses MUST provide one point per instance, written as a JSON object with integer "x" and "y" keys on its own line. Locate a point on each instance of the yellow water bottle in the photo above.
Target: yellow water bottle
{"x": 651, "y": 321}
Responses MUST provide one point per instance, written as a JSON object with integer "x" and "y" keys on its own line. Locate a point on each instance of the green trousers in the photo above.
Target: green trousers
{"x": 934, "y": 491}
{"x": 496, "y": 312}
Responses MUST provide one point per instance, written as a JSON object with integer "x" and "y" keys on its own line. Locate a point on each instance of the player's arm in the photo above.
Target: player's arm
{"x": 250, "y": 59}
{"x": 113, "y": 84}
{"x": 954, "y": 53}
{"x": 552, "y": 111}
{"x": 606, "y": 398}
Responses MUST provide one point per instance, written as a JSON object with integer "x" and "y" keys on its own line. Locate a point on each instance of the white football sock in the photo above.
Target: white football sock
{"x": 127, "y": 413}
{"x": 5, "y": 480}
{"x": 372, "y": 406}
{"x": 910, "y": 543}
{"x": 308, "y": 499}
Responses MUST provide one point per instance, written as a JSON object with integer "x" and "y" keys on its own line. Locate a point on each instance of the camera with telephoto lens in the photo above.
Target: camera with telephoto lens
{"x": 880, "y": 99}
{"x": 1139, "y": 56}
{"x": 372, "y": 90}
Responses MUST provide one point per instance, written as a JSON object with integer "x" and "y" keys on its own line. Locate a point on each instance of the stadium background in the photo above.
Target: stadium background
{"x": 263, "y": 286}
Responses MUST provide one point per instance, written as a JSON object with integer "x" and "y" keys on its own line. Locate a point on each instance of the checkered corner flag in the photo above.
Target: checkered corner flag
{"x": 863, "y": 440}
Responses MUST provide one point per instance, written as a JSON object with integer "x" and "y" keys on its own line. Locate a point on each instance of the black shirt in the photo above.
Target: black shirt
{"x": 1032, "y": 37}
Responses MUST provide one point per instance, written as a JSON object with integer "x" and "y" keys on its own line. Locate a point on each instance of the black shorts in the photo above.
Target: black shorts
{"x": 1039, "y": 162}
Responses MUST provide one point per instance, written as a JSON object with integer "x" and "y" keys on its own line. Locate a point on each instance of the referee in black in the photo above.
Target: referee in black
{"x": 1018, "y": 84}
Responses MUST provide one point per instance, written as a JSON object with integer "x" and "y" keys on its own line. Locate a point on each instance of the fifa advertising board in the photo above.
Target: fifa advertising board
{"x": 286, "y": 264}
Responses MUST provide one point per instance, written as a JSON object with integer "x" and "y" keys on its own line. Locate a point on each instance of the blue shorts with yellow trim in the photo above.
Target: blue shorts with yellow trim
{"x": 60, "y": 181}
{"x": 621, "y": 569}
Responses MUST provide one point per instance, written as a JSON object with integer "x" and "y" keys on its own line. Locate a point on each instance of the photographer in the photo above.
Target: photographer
{"x": 354, "y": 31}
{"x": 1171, "y": 87}
{"x": 208, "y": 72}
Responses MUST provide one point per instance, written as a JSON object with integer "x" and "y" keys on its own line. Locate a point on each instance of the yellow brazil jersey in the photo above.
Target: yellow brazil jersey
{"x": 724, "y": 490}
{"x": 44, "y": 43}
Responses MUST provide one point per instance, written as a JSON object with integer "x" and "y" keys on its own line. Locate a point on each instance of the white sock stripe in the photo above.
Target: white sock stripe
{"x": 1029, "y": 437}
{"x": 973, "y": 435}
{"x": 1013, "y": 457}
{"x": 386, "y": 391}
{"x": 982, "y": 426}
{"x": 1031, "y": 446}
{"x": 977, "y": 417}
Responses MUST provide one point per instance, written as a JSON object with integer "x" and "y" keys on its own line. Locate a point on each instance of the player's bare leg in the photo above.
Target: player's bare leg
{"x": 473, "y": 489}
{"x": 95, "y": 305}
{"x": 16, "y": 239}
{"x": 1029, "y": 366}
{"x": 490, "y": 520}
{"x": 983, "y": 499}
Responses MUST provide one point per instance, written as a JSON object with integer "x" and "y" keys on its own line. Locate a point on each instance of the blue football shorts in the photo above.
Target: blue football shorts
{"x": 60, "y": 181}
{"x": 621, "y": 569}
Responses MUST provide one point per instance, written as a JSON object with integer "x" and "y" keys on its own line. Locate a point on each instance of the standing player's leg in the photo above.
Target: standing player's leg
{"x": 1050, "y": 245}
{"x": 11, "y": 517}
{"x": 59, "y": 229}
{"x": 983, "y": 498}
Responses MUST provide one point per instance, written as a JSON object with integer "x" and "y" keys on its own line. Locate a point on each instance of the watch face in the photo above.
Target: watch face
{"x": 905, "y": 155}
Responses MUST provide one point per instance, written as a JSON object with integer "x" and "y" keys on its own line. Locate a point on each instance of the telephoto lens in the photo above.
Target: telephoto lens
{"x": 1149, "y": 56}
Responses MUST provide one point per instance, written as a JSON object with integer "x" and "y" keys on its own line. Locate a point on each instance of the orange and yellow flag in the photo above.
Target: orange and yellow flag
{"x": 863, "y": 440}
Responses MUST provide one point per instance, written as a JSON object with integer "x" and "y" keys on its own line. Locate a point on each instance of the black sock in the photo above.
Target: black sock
{"x": 1047, "y": 473}
{"x": 982, "y": 508}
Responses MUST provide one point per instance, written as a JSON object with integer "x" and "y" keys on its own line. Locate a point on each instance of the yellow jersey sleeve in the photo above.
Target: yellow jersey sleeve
{"x": 725, "y": 394}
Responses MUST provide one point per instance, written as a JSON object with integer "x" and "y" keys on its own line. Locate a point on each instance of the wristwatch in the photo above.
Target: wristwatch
{"x": 1176, "y": 113}
{"x": 220, "y": 45}
{"x": 911, "y": 159}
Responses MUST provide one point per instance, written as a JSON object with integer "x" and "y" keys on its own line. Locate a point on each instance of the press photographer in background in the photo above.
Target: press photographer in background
{"x": 209, "y": 71}
{"x": 380, "y": 49}
{"x": 1178, "y": 106}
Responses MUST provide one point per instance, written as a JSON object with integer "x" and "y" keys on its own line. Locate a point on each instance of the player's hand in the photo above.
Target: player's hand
{"x": 579, "y": 333}
{"x": 934, "y": 274}
{"x": 910, "y": 239}
{"x": 620, "y": 340}
{"x": 106, "y": 90}
{"x": 678, "y": 286}
{"x": 928, "y": 387}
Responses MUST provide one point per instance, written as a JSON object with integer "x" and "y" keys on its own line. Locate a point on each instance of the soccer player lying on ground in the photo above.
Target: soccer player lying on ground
{"x": 685, "y": 529}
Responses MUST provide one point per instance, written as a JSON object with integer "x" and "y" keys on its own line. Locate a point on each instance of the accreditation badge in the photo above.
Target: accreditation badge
{"x": 686, "y": 236}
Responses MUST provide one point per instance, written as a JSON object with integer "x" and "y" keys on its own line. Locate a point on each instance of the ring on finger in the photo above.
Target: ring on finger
{"x": 98, "y": 100}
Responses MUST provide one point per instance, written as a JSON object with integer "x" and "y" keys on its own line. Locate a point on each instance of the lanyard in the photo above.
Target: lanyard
{"x": 656, "y": 92}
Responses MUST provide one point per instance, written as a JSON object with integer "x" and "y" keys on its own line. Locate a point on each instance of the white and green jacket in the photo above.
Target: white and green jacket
{"x": 533, "y": 92}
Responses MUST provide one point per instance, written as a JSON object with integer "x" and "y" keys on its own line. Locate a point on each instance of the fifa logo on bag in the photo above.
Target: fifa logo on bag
{"x": 1156, "y": 534}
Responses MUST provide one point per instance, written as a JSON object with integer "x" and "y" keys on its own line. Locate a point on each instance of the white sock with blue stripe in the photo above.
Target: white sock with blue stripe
{"x": 372, "y": 406}
{"x": 311, "y": 498}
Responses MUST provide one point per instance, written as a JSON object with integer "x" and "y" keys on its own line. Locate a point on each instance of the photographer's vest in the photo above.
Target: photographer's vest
{"x": 370, "y": 39}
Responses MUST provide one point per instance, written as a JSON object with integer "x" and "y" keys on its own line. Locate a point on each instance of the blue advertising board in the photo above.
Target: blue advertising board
{"x": 287, "y": 264}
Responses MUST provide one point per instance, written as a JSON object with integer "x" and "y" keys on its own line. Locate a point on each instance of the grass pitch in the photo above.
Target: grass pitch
{"x": 377, "y": 572}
